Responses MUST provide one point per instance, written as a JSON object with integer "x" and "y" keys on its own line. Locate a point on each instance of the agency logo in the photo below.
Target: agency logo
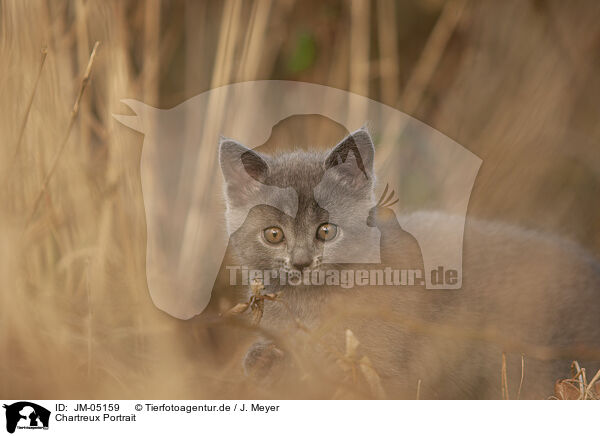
{"x": 25, "y": 415}
{"x": 208, "y": 174}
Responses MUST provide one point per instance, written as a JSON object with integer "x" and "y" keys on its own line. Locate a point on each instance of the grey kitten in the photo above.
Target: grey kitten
{"x": 523, "y": 292}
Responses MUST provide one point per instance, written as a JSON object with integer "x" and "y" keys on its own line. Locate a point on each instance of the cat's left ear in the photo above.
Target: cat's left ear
{"x": 353, "y": 157}
{"x": 237, "y": 161}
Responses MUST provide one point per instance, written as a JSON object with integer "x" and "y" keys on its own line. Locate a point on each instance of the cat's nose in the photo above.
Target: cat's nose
{"x": 301, "y": 265}
{"x": 301, "y": 261}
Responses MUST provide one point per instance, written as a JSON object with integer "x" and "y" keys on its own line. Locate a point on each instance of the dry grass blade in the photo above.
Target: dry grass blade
{"x": 522, "y": 376}
{"x": 237, "y": 309}
{"x": 566, "y": 390}
{"x": 418, "y": 389}
{"x": 258, "y": 308}
{"x": 350, "y": 363}
{"x": 30, "y": 103}
{"x": 593, "y": 386}
{"x": 431, "y": 55}
{"x": 428, "y": 62}
{"x": 579, "y": 375}
{"x": 256, "y": 303}
{"x": 256, "y": 287}
{"x": 577, "y": 387}
{"x": 359, "y": 43}
{"x": 372, "y": 378}
{"x": 351, "y": 344}
{"x": 73, "y": 117}
{"x": 504, "y": 378}
{"x": 389, "y": 62}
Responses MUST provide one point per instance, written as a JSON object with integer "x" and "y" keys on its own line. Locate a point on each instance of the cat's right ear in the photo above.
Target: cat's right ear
{"x": 352, "y": 159}
{"x": 238, "y": 162}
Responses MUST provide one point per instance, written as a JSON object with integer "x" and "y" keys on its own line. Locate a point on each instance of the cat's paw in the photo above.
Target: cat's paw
{"x": 264, "y": 361}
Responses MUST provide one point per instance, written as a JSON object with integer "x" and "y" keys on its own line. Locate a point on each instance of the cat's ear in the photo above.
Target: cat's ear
{"x": 353, "y": 157}
{"x": 238, "y": 161}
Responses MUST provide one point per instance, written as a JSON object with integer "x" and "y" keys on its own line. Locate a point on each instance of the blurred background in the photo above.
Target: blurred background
{"x": 516, "y": 82}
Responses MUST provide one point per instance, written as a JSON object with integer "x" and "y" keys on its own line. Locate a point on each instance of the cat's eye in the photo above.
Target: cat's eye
{"x": 273, "y": 235}
{"x": 326, "y": 232}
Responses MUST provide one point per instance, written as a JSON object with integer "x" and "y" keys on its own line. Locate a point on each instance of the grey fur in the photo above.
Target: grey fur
{"x": 522, "y": 291}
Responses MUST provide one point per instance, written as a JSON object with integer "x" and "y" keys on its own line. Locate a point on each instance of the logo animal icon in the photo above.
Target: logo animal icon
{"x": 26, "y": 414}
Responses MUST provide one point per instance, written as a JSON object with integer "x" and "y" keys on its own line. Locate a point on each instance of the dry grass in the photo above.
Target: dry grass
{"x": 577, "y": 387}
{"x": 76, "y": 318}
